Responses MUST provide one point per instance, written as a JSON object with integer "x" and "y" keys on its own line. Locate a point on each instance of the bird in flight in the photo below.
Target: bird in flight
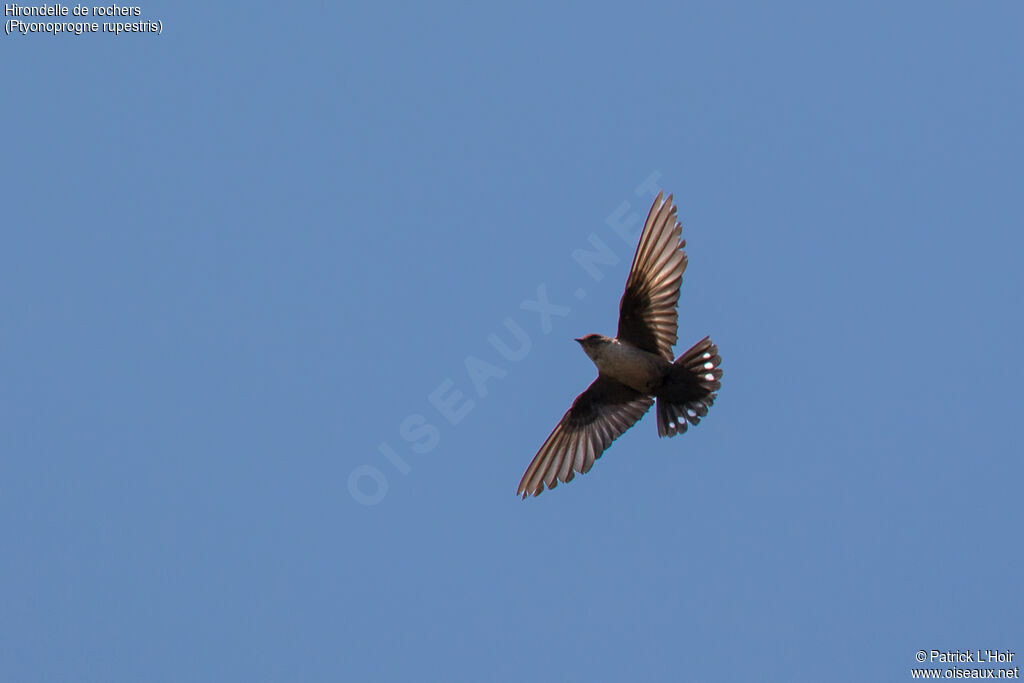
{"x": 636, "y": 367}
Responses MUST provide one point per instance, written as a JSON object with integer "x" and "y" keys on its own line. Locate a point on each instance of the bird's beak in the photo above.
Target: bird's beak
{"x": 579, "y": 339}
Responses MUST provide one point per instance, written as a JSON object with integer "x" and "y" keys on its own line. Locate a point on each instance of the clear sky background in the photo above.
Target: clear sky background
{"x": 239, "y": 257}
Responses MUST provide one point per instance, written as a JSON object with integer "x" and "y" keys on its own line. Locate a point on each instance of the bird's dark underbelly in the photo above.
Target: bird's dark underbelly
{"x": 679, "y": 385}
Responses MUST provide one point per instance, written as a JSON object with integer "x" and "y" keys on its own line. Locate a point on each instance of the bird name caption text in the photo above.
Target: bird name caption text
{"x": 74, "y": 20}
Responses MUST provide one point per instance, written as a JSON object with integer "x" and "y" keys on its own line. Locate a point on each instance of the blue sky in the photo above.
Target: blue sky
{"x": 240, "y": 257}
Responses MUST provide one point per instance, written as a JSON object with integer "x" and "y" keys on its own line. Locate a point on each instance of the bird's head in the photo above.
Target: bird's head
{"x": 594, "y": 344}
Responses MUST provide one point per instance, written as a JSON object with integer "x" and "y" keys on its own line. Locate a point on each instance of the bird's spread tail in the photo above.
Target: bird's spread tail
{"x": 689, "y": 389}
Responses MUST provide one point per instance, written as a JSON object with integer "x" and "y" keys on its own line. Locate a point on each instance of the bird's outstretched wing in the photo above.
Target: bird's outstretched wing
{"x": 597, "y": 417}
{"x": 647, "y": 312}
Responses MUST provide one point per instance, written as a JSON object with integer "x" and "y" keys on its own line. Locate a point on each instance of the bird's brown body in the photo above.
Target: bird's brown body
{"x": 637, "y": 366}
{"x": 640, "y": 370}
